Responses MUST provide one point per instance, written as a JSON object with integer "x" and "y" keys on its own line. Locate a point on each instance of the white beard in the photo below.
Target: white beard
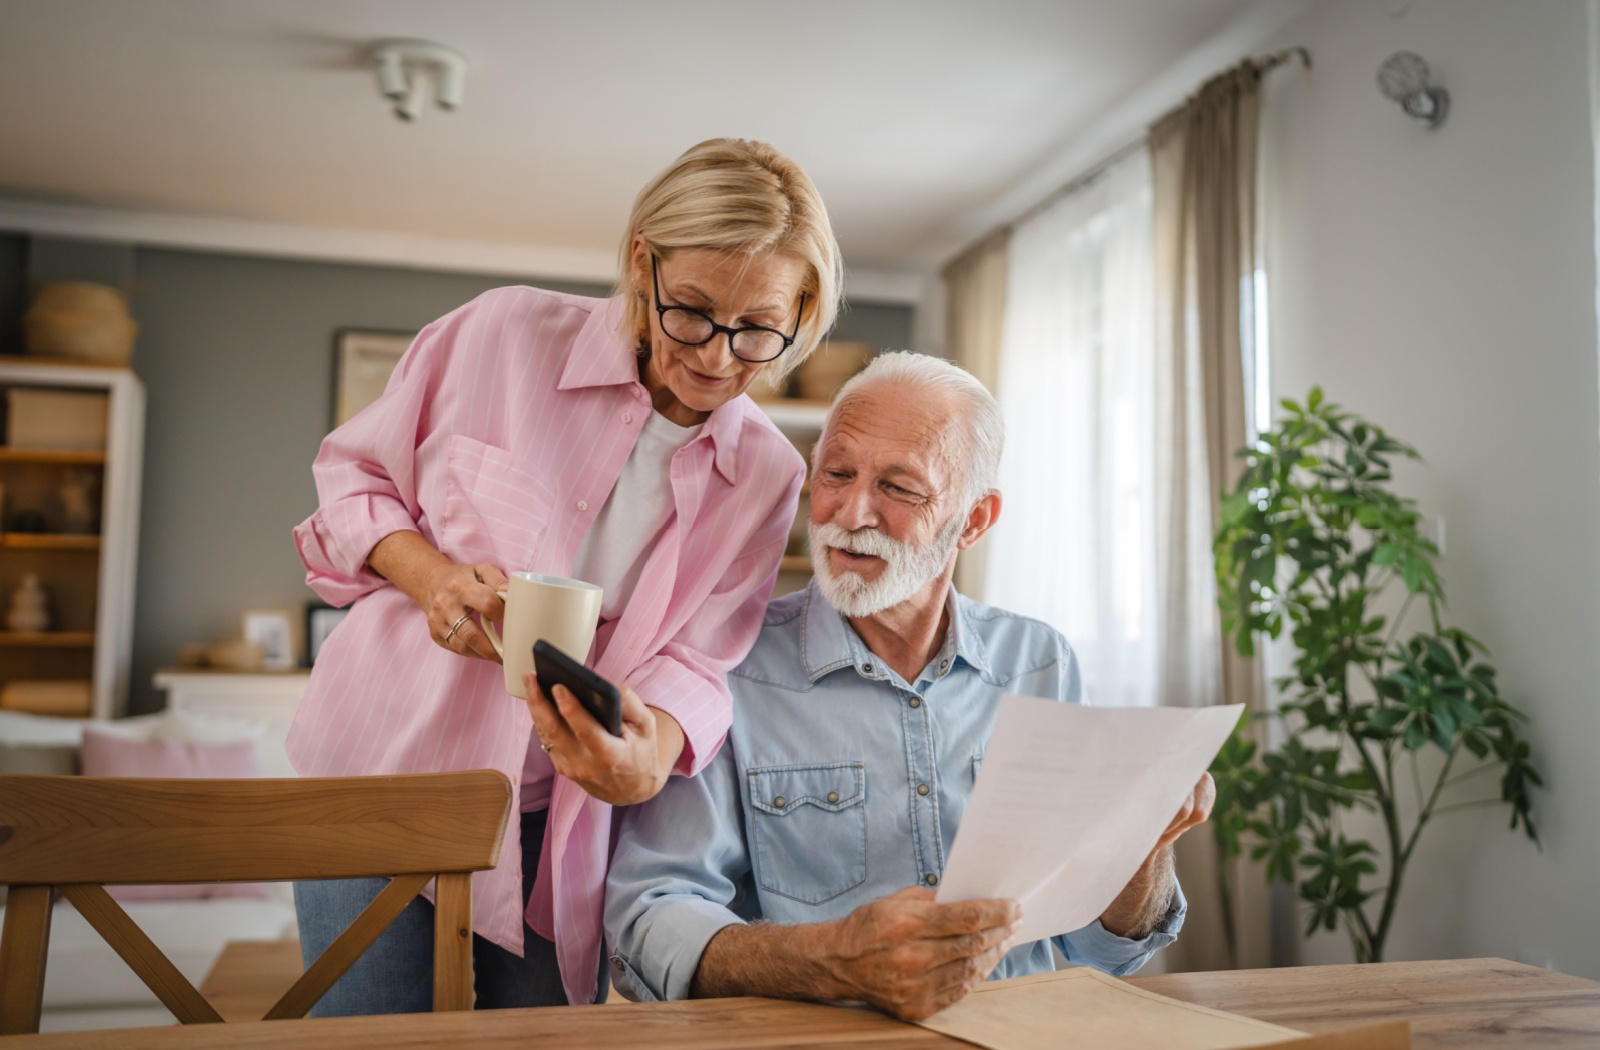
{"x": 907, "y": 567}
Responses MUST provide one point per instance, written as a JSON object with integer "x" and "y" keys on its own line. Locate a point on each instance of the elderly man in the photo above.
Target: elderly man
{"x": 802, "y": 862}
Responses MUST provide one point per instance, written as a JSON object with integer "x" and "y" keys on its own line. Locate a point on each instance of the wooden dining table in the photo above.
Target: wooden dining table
{"x": 1464, "y": 1004}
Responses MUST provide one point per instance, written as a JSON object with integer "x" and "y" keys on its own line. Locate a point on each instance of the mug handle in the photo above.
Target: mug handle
{"x": 488, "y": 629}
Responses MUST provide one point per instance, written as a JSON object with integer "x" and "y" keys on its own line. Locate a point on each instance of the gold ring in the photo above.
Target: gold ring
{"x": 546, "y": 746}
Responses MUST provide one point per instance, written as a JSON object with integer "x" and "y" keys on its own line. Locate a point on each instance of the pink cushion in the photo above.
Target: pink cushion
{"x": 107, "y": 754}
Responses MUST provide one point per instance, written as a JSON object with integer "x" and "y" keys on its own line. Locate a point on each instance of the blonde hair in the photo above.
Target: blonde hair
{"x": 737, "y": 196}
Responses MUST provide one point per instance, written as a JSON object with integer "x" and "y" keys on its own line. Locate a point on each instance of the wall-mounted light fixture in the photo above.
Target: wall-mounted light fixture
{"x": 1403, "y": 77}
{"x": 407, "y": 68}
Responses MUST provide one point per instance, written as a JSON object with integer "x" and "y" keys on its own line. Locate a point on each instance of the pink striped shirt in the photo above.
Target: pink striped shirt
{"x": 499, "y": 438}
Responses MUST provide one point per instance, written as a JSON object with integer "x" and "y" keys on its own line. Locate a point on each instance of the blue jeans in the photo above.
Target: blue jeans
{"x": 395, "y": 975}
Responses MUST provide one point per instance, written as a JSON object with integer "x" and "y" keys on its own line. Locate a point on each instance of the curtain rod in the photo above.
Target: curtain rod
{"x": 1264, "y": 64}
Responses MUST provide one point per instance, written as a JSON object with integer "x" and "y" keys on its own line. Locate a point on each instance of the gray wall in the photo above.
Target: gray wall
{"x": 237, "y": 354}
{"x": 1442, "y": 283}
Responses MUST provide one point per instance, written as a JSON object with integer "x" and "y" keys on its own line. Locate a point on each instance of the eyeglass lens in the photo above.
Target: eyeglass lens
{"x": 693, "y": 328}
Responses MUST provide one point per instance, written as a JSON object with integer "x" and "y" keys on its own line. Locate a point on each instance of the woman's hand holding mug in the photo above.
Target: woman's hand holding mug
{"x": 448, "y": 593}
{"x": 453, "y": 593}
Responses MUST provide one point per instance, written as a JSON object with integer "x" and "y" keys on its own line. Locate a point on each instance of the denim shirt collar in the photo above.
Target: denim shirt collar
{"x": 829, "y": 643}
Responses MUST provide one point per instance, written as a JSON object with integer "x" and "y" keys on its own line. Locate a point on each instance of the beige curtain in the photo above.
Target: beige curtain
{"x": 975, "y": 312}
{"x": 1203, "y": 158}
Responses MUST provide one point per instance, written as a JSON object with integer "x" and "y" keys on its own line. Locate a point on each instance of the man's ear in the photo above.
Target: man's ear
{"x": 980, "y": 519}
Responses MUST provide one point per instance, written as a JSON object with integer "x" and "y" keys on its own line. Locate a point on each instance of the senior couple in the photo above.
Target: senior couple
{"x": 791, "y": 775}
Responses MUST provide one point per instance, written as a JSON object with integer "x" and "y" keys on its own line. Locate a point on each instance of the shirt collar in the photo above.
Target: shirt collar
{"x": 602, "y": 357}
{"x": 830, "y": 643}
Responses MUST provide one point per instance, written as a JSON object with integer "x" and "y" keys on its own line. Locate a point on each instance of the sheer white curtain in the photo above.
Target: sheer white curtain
{"x": 1076, "y": 542}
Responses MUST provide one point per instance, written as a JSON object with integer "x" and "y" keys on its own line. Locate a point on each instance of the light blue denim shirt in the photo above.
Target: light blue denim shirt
{"x": 839, "y": 783}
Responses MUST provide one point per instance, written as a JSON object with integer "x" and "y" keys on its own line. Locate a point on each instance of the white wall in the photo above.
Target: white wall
{"x": 1442, "y": 283}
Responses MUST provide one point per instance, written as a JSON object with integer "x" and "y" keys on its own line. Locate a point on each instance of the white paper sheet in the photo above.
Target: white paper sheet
{"x": 1071, "y": 800}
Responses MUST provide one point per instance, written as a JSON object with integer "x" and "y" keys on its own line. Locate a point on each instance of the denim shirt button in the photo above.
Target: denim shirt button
{"x": 779, "y": 801}
{"x": 932, "y": 879}
{"x": 833, "y": 796}
{"x": 944, "y": 665}
{"x": 866, "y": 668}
{"x": 915, "y": 701}
{"x": 922, "y": 789}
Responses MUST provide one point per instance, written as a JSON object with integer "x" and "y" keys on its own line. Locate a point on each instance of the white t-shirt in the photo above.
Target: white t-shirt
{"x": 613, "y": 551}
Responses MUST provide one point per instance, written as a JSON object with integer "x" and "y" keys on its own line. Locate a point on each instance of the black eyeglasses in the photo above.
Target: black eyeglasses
{"x": 751, "y": 343}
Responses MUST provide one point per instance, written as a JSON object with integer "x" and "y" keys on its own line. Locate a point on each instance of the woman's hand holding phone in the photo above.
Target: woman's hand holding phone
{"x": 622, "y": 770}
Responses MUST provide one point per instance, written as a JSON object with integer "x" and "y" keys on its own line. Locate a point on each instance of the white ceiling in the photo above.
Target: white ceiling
{"x": 912, "y": 116}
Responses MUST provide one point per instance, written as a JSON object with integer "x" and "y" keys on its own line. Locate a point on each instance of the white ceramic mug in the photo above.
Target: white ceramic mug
{"x": 563, "y": 612}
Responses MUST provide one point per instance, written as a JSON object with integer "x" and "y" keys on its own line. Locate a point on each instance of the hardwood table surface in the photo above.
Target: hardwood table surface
{"x": 1464, "y": 1004}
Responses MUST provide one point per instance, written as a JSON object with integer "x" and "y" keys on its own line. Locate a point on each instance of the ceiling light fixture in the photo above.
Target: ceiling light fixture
{"x": 407, "y": 68}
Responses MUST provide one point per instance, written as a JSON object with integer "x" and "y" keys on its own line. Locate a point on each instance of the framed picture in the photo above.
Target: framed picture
{"x": 274, "y": 631}
{"x": 320, "y": 621}
{"x": 364, "y": 362}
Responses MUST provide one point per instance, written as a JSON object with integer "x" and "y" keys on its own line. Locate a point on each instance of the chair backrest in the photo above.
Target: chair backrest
{"x": 77, "y": 834}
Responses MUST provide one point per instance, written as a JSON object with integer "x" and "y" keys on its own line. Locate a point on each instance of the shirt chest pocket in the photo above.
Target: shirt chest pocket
{"x": 496, "y": 509}
{"x": 809, "y": 829}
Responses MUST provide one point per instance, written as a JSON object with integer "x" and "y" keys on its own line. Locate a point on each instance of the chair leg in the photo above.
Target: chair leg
{"x": 24, "y": 945}
{"x": 452, "y": 942}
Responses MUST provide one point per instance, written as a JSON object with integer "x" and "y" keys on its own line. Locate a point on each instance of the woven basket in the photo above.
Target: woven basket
{"x": 825, "y": 371}
{"x": 81, "y": 321}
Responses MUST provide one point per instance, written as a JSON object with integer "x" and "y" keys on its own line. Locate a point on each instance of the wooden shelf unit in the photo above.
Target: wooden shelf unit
{"x": 47, "y": 639}
{"x": 794, "y": 415}
{"x": 49, "y": 541}
{"x": 89, "y": 578}
{"x": 57, "y": 457}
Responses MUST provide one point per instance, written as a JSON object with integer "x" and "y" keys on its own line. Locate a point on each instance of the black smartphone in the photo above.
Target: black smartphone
{"x": 599, "y": 697}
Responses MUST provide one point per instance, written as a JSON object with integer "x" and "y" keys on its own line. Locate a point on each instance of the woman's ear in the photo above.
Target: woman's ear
{"x": 639, "y": 266}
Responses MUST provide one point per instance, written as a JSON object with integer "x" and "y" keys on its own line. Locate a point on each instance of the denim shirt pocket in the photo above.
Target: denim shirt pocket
{"x": 809, "y": 829}
{"x": 496, "y": 510}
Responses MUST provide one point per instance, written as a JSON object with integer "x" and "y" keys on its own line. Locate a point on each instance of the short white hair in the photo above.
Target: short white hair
{"x": 974, "y": 445}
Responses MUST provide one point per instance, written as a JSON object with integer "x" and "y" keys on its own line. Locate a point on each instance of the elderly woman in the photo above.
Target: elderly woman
{"x": 606, "y": 440}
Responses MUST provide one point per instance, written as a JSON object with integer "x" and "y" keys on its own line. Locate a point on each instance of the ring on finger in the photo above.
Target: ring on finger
{"x": 546, "y": 746}
{"x": 457, "y": 626}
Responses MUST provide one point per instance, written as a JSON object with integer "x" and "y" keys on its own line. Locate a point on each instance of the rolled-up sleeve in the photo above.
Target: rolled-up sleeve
{"x": 366, "y": 475}
{"x": 679, "y": 863}
{"x": 1096, "y": 946}
{"x": 688, "y": 677}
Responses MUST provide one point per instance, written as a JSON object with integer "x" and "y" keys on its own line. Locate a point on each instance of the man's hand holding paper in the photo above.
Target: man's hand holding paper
{"x": 1148, "y": 895}
{"x": 1073, "y": 814}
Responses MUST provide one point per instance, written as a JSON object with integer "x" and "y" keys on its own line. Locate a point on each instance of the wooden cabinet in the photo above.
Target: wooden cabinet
{"x": 801, "y": 422}
{"x": 87, "y": 575}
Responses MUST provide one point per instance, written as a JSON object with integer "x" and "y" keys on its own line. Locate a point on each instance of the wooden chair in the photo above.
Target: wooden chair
{"x": 78, "y": 833}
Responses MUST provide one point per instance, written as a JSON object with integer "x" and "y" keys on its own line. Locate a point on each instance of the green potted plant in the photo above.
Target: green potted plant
{"x": 1311, "y": 540}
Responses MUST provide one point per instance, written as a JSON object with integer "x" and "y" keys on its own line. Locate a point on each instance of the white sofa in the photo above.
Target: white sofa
{"x": 86, "y": 984}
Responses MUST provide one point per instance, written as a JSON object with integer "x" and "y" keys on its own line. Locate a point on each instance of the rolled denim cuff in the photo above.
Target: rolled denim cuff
{"x": 660, "y": 960}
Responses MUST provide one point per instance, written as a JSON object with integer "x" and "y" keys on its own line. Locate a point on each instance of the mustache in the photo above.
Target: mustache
{"x": 868, "y": 541}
